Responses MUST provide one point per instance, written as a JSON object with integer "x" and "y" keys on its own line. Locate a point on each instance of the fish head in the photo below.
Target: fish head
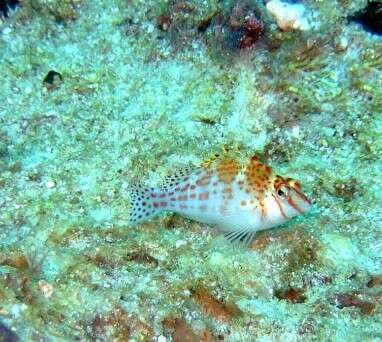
{"x": 289, "y": 198}
{"x": 280, "y": 198}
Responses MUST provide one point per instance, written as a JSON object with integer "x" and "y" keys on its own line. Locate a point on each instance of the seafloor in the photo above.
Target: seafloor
{"x": 145, "y": 87}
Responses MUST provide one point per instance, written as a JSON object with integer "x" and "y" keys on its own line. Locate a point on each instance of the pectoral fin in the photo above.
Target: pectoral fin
{"x": 244, "y": 236}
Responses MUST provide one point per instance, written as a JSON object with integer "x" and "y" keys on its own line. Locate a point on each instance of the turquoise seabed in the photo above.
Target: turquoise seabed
{"x": 145, "y": 87}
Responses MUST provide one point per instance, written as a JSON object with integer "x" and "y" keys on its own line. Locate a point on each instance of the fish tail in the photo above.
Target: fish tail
{"x": 142, "y": 206}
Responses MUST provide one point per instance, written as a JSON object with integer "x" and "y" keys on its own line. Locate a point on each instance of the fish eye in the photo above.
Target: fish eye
{"x": 283, "y": 192}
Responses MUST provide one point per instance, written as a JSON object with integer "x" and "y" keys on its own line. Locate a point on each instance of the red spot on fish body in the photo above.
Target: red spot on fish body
{"x": 204, "y": 196}
{"x": 205, "y": 180}
{"x": 185, "y": 188}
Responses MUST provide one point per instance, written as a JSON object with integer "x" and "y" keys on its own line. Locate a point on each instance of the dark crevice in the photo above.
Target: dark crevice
{"x": 7, "y": 5}
{"x": 370, "y": 17}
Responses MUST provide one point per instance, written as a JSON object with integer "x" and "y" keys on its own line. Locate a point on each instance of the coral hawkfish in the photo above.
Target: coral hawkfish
{"x": 238, "y": 197}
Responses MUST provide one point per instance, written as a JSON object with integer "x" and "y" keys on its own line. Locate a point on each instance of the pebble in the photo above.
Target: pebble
{"x": 50, "y": 184}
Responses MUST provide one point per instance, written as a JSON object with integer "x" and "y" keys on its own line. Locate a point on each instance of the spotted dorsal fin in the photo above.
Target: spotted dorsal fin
{"x": 176, "y": 178}
{"x": 226, "y": 153}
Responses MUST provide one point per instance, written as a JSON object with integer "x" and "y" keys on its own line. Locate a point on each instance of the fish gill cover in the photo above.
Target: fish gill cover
{"x": 101, "y": 96}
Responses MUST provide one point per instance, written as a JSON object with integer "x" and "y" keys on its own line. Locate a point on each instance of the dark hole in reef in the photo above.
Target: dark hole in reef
{"x": 205, "y": 24}
{"x": 6, "y": 334}
{"x": 6, "y": 5}
{"x": 370, "y": 17}
{"x": 52, "y": 76}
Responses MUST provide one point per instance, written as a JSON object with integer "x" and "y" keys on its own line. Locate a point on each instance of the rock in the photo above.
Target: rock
{"x": 289, "y": 16}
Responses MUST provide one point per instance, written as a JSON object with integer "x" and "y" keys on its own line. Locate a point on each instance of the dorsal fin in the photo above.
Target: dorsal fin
{"x": 225, "y": 163}
{"x": 178, "y": 177}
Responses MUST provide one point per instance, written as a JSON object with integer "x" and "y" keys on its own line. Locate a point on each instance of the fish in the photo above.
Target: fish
{"x": 239, "y": 196}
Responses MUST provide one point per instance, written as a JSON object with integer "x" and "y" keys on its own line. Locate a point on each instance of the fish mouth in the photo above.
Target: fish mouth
{"x": 297, "y": 200}
{"x": 303, "y": 197}
{"x": 304, "y": 202}
{"x": 295, "y": 185}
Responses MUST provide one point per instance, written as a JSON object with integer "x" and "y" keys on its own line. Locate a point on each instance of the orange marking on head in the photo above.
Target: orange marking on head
{"x": 280, "y": 207}
{"x": 258, "y": 176}
{"x": 302, "y": 196}
{"x": 254, "y": 158}
{"x": 278, "y": 181}
{"x": 293, "y": 183}
{"x": 294, "y": 206}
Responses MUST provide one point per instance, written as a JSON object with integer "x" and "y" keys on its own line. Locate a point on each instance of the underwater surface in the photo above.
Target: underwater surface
{"x": 99, "y": 96}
